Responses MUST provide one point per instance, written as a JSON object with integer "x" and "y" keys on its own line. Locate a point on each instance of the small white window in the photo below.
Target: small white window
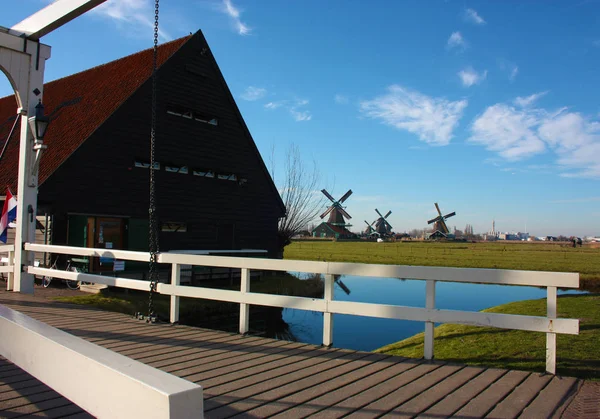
{"x": 175, "y": 169}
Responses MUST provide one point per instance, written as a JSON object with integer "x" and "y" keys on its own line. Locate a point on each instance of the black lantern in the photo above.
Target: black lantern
{"x": 41, "y": 122}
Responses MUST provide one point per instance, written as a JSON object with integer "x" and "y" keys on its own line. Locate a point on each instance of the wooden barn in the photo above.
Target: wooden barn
{"x": 332, "y": 231}
{"x": 213, "y": 188}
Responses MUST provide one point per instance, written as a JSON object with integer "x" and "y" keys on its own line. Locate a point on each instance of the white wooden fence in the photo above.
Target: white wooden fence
{"x": 7, "y": 257}
{"x": 328, "y": 306}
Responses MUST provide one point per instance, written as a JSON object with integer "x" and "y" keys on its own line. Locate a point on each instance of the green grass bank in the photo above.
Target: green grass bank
{"x": 536, "y": 256}
{"x": 577, "y": 355}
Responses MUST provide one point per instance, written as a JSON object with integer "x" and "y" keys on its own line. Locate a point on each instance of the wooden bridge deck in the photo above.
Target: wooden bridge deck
{"x": 257, "y": 377}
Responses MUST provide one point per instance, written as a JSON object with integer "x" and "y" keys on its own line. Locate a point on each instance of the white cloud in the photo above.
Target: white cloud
{"x": 295, "y": 108}
{"x": 473, "y": 17}
{"x": 274, "y": 105}
{"x": 234, "y": 14}
{"x": 341, "y": 99}
{"x": 518, "y": 133}
{"x": 528, "y": 100}
{"x": 456, "y": 40}
{"x": 432, "y": 119}
{"x": 253, "y": 93}
{"x": 508, "y": 132}
{"x": 469, "y": 76}
{"x": 300, "y": 114}
{"x": 513, "y": 73}
{"x": 132, "y": 13}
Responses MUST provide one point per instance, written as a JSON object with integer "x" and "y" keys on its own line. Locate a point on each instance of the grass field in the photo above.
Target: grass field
{"x": 578, "y": 355}
{"x": 556, "y": 257}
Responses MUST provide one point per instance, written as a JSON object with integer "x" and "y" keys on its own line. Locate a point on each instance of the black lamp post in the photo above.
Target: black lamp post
{"x": 41, "y": 122}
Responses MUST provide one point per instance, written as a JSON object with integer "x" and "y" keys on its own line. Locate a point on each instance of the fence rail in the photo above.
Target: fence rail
{"x": 9, "y": 268}
{"x": 328, "y": 306}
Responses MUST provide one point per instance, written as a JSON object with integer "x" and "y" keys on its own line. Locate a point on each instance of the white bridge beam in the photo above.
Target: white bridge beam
{"x": 52, "y": 17}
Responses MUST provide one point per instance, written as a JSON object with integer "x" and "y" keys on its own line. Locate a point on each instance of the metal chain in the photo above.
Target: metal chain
{"x": 153, "y": 216}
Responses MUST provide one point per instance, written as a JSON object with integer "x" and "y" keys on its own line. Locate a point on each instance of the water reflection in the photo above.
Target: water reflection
{"x": 366, "y": 333}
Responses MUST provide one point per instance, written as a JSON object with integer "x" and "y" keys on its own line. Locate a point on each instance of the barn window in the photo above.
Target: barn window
{"x": 204, "y": 173}
{"x": 146, "y": 165}
{"x": 173, "y": 227}
{"x": 176, "y": 169}
{"x": 191, "y": 114}
{"x": 227, "y": 176}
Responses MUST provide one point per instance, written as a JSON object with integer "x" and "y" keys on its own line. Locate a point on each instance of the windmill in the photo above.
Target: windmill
{"x": 336, "y": 211}
{"x": 382, "y": 226}
{"x": 370, "y": 230}
{"x": 440, "y": 221}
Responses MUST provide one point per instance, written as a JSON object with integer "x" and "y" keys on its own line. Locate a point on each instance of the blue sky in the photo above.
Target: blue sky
{"x": 489, "y": 108}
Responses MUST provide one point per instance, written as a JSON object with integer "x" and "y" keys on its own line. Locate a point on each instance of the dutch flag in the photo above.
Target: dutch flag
{"x": 9, "y": 214}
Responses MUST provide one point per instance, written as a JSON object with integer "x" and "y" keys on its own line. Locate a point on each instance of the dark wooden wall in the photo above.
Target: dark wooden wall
{"x": 100, "y": 178}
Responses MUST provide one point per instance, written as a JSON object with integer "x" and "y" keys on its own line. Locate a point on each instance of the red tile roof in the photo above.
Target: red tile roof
{"x": 78, "y": 105}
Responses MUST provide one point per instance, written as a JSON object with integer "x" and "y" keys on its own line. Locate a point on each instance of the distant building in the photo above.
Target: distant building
{"x": 332, "y": 231}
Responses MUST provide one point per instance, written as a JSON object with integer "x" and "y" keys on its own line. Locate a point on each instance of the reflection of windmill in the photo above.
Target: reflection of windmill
{"x": 440, "y": 221}
{"x": 370, "y": 230}
{"x": 337, "y": 279}
{"x": 336, "y": 211}
{"x": 382, "y": 226}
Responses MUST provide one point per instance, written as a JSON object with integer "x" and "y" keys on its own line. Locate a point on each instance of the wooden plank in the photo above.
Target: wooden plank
{"x": 226, "y": 372}
{"x": 514, "y": 404}
{"x": 376, "y": 374}
{"x": 314, "y": 387}
{"x": 14, "y": 394}
{"x": 33, "y": 398}
{"x": 487, "y": 400}
{"x": 461, "y": 396}
{"x": 236, "y": 378}
{"x": 429, "y": 397}
{"x": 550, "y": 398}
{"x": 379, "y": 390}
{"x": 31, "y": 409}
{"x": 219, "y": 405}
{"x": 147, "y": 353}
{"x": 228, "y": 356}
{"x": 406, "y": 392}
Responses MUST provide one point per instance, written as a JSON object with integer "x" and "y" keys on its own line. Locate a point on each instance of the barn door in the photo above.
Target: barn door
{"x": 109, "y": 234}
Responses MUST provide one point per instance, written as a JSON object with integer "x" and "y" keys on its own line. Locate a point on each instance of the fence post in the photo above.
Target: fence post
{"x": 328, "y": 317}
{"x": 10, "y": 281}
{"x": 175, "y": 280}
{"x": 244, "y": 308}
{"x": 551, "y": 336}
{"x": 429, "y": 326}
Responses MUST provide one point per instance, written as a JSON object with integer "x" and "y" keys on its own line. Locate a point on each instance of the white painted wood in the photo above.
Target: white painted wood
{"x": 7, "y": 248}
{"x": 175, "y": 280}
{"x": 10, "y": 280}
{"x": 88, "y": 251}
{"x": 113, "y": 385}
{"x": 551, "y": 307}
{"x": 503, "y": 321}
{"x": 327, "y": 315}
{"x": 26, "y": 184}
{"x": 300, "y": 303}
{"x": 244, "y": 308}
{"x": 133, "y": 284}
{"x": 484, "y": 276}
{"x": 429, "y": 326}
{"x": 52, "y": 17}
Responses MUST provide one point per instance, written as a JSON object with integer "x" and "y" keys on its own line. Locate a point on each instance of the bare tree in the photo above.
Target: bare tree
{"x": 299, "y": 191}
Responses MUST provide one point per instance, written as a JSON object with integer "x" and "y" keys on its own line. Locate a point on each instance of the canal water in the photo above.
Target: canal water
{"x": 367, "y": 333}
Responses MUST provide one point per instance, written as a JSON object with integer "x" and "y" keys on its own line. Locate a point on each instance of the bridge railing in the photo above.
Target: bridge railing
{"x": 550, "y": 324}
{"x": 7, "y": 260}
{"x": 113, "y": 385}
